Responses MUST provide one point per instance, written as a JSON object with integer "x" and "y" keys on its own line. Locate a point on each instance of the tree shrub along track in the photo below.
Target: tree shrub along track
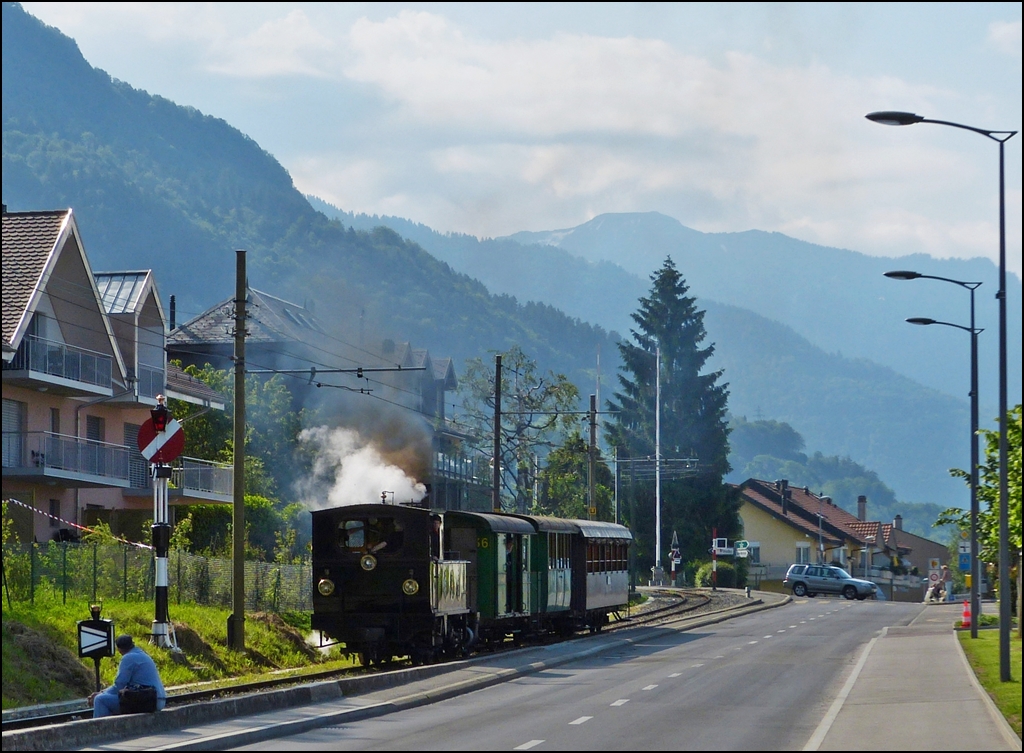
{"x": 663, "y": 605}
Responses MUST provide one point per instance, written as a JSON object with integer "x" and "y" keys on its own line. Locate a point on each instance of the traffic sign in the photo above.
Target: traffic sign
{"x": 95, "y": 638}
{"x": 724, "y": 550}
{"x": 741, "y": 544}
{"x": 742, "y": 553}
{"x": 963, "y": 547}
{"x": 161, "y": 446}
{"x": 965, "y": 561}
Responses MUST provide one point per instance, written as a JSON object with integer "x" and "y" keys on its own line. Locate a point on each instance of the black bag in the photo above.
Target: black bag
{"x": 137, "y": 699}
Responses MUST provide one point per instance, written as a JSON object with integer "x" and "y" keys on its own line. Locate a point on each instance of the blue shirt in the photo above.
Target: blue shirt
{"x": 138, "y": 668}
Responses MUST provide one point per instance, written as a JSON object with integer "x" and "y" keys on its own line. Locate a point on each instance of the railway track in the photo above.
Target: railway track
{"x": 678, "y": 602}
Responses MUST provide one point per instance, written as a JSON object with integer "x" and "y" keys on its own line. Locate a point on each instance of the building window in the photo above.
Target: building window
{"x": 94, "y": 428}
{"x": 755, "y": 552}
{"x": 14, "y": 439}
{"x": 54, "y": 513}
{"x": 803, "y": 553}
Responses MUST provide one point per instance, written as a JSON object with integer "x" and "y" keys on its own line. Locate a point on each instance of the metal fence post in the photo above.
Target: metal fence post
{"x": 94, "y": 548}
{"x": 64, "y": 572}
{"x": 32, "y": 572}
{"x": 179, "y": 576}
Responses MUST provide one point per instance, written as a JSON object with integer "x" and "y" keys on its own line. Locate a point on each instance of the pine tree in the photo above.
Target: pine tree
{"x": 693, "y": 425}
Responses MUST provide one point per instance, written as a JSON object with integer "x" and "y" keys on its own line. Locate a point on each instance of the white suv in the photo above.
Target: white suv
{"x": 810, "y": 580}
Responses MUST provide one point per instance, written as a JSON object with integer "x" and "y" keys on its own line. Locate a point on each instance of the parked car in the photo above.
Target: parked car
{"x": 810, "y": 580}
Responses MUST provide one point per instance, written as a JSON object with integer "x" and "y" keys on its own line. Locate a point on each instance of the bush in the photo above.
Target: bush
{"x": 726, "y": 575}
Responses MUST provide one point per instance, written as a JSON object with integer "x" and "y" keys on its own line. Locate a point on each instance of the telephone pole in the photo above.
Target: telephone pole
{"x": 496, "y": 502}
{"x": 236, "y": 621}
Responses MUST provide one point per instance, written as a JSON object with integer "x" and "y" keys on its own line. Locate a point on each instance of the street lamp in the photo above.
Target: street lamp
{"x": 975, "y": 565}
{"x": 896, "y": 118}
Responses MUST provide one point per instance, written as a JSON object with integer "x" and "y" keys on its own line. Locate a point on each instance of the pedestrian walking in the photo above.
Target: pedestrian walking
{"x": 947, "y": 582}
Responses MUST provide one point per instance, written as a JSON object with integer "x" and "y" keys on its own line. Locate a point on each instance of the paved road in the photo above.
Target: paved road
{"x": 760, "y": 682}
{"x": 813, "y": 674}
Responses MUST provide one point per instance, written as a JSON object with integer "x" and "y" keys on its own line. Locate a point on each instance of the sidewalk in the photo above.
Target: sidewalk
{"x": 912, "y": 689}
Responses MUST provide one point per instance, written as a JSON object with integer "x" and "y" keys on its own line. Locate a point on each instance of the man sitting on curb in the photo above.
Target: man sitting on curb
{"x": 136, "y": 668}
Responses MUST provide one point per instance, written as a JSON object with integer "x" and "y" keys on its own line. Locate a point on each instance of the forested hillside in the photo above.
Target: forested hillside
{"x": 907, "y": 433}
{"x": 156, "y": 185}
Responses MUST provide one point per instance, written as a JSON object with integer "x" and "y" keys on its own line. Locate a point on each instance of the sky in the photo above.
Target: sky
{"x": 493, "y": 118}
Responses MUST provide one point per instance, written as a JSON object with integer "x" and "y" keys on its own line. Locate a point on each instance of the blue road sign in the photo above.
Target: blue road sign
{"x": 965, "y": 562}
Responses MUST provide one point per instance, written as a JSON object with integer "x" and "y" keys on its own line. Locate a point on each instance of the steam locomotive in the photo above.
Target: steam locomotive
{"x": 396, "y": 580}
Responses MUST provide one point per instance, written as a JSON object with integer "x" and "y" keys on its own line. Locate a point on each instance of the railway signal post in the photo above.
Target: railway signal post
{"x": 161, "y": 440}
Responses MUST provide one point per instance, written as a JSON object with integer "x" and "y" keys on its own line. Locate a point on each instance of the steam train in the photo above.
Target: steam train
{"x": 396, "y": 580}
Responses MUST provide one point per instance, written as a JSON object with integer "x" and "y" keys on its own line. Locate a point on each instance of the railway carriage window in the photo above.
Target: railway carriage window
{"x": 374, "y": 535}
{"x": 352, "y": 535}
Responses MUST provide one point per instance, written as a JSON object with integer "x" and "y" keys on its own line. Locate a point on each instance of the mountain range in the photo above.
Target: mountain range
{"x": 161, "y": 186}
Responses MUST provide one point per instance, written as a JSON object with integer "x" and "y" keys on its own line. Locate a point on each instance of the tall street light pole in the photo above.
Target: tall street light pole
{"x": 896, "y": 118}
{"x": 975, "y": 570}
{"x": 975, "y": 564}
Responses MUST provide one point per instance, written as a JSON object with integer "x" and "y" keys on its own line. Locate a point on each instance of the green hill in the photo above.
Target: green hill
{"x": 160, "y": 186}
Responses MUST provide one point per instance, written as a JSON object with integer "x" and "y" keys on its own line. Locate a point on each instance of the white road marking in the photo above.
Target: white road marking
{"x": 621, "y": 702}
{"x": 697, "y": 665}
{"x": 581, "y": 720}
{"x": 676, "y": 674}
{"x": 792, "y": 627}
{"x": 720, "y": 656}
{"x": 650, "y": 687}
{"x": 826, "y": 723}
{"x": 751, "y": 643}
{"x": 527, "y": 746}
{"x": 767, "y": 636}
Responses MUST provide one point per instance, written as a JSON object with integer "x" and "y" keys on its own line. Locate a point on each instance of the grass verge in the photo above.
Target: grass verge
{"x": 40, "y": 654}
{"x": 983, "y": 655}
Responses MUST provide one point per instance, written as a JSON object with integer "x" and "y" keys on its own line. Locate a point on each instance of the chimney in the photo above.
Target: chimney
{"x": 897, "y": 522}
{"x": 174, "y": 308}
{"x": 782, "y": 486}
{"x": 862, "y": 507}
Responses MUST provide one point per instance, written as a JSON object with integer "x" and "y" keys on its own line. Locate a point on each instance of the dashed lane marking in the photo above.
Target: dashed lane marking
{"x": 527, "y": 746}
{"x": 581, "y": 720}
{"x": 620, "y": 702}
{"x": 650, "y": 687}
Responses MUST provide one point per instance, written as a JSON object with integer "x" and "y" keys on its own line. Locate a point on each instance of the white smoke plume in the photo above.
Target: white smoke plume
{"x": 350, "y": 470}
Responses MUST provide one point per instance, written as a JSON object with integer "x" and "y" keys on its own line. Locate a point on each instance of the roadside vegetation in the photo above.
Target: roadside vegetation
{"x": 983, "y": 654}
{"x": 41, "y": 664}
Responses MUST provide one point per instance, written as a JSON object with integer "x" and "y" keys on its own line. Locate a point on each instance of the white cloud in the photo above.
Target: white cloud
{"x": 281, "y": 46}
{"x": 1005, "y": 36}
{"x": 441, "y": 124}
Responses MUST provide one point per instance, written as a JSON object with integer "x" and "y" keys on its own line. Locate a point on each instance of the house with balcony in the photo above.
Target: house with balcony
{"x": 83, "y": 361}
{"x": 787, "y": 525}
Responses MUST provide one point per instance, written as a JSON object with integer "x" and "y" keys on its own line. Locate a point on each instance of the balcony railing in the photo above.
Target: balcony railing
{"x": 60, "y": 360}
{"x": 205, "y": 476}
{"x": 189, "y": 477}
{"x": 151, "y": 381}
{"x": 46, "y": 453}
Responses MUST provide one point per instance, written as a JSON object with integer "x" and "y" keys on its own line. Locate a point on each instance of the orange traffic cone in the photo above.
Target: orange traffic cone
{"x": 965, "y": 620}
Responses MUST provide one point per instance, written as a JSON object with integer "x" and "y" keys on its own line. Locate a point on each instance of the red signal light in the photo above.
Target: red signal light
{"x": 159, "y": 415}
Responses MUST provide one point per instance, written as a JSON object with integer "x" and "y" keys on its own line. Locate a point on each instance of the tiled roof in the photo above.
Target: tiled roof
{"x": 121, "y": 292}
{"x": 28, "y": 240}
{"x": 762, "y": 494}
{"x": 187, "y": 385}
{"x": 804, "y": 507}
{"x": 270, "y": 319}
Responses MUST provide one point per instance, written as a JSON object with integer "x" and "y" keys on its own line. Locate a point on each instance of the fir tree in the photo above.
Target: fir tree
{"x": 693, "y": 425}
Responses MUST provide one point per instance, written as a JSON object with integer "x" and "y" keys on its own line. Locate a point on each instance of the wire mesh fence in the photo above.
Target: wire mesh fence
{"x": 103, "y": 572}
